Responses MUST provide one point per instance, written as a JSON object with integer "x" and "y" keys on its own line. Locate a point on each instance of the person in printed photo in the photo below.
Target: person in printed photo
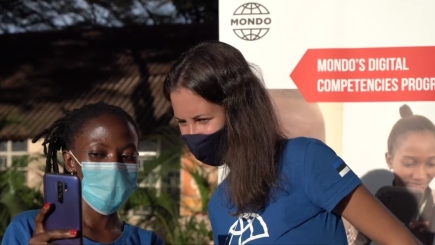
{"x": 411, "y": 157}
{"x": 296, "y": 115}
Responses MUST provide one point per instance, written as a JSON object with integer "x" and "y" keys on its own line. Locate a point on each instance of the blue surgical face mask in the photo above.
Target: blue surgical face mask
{"x": 108, "y": 185}
{"x": 207, "y": 148}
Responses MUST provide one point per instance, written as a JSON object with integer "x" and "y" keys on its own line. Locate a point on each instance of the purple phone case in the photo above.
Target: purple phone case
{"x": 66, "y": 214}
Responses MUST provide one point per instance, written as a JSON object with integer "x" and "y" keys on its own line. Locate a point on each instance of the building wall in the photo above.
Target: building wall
{"x": 35, "y": 169}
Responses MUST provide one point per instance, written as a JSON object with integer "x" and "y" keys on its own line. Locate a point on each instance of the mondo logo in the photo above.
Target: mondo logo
{"x": 251, "y": 21}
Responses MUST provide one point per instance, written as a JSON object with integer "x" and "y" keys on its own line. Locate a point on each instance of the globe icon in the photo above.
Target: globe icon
{"x": 246, "y": 16}
{"x": 251, "y": 8}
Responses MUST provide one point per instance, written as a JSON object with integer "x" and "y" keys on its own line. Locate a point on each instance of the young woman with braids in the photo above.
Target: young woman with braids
{"x": 278, "y": 190}
{"x": 90, "y": 137}
{"x": 411, "y": 156}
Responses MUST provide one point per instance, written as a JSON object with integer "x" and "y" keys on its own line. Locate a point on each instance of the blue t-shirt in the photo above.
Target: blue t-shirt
{"x": 314, "y": 181}
{"x": 21, "y": 228}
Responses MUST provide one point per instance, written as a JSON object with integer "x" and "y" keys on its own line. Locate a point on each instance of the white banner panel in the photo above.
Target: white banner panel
{"x": 358, "y": 63}
{"x": 341, "y": 52}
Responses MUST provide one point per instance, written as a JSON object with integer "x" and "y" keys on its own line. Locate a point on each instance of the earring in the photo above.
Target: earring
{"x": 72, "y": 172}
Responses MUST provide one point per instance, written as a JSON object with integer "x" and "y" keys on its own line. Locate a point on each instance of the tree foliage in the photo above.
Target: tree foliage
{"x": 159, "y": 209}
{"x": 15, "y": 195}
{"x": 30, "y": 15}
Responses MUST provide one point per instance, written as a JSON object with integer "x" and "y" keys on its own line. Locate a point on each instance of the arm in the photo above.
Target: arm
{"x": 370, "y": 217}
{"x": 334, "y": 187}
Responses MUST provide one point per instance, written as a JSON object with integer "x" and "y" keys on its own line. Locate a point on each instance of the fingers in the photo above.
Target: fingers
{"x": 40, "y": 218}
{"x": 45, "y": 237}
{"x": 40, "y": 236}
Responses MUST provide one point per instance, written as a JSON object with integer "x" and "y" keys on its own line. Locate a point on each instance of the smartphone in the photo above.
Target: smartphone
{"x": 64, "y": 192}
{"x": 401, "y": 201}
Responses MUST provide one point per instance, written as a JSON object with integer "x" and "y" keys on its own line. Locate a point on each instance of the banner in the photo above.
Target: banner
{"x": 359, "y": 75}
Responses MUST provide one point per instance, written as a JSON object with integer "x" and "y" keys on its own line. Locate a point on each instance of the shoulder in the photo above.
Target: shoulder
{"x": 301, "y": 145}
{"x": 302, "y": 150}
{"x": 144, "y": 236}
{"x": 310, "y": 142}
{"x": 20, "y": 229}
{"x": 25, "y": 218}
{"x": 319, "y": 171}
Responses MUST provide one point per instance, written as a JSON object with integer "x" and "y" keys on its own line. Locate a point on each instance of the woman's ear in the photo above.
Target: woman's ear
{"x": 70, "y": 162}
{"x": 389, "y": 160}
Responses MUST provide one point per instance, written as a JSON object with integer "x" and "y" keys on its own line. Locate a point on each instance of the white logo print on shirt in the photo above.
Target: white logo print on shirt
{"x": 249, "y": 220}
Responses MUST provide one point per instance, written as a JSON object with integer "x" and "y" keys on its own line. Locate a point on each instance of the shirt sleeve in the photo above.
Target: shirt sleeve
{"x": 16, "y": 234}
{"x": 328, "y": 179}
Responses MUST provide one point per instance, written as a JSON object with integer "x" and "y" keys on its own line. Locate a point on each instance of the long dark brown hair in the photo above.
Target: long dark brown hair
{"x": 254, "y": 141}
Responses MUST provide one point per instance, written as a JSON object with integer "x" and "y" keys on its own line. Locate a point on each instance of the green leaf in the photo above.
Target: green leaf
{"x": 15, "y": 196}
{"x": 163, "y": 211}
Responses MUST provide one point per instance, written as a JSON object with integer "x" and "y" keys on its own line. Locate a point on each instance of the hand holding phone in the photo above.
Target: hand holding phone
{"x": 63, "y": 216}
{"x": 43, "y": 236}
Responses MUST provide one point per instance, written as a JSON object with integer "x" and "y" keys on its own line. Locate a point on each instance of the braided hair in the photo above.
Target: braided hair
{"x": 406, "y": 124}
{"x": 61, "y": 134}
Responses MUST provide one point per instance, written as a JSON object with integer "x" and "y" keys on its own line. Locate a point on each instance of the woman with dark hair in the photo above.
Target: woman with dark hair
{"x": 277, "y": 191}
{"x": 411, "y": 156}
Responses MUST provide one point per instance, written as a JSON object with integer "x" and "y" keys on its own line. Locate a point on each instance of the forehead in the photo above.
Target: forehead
{"x": 188, "y": 104}
{"x": 416, "y": 143}
{"x": 108, "y": 129}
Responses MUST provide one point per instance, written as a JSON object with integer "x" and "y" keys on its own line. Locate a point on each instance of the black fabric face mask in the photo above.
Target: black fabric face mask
{"x": 207, "y": 148}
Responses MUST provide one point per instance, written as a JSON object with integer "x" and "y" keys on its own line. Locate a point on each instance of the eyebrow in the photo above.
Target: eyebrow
{"x": 414, "y": 158}
{"x": 195, "y": 117}
{"x": 98, "y": 143}
{"x": 131, "y": 145}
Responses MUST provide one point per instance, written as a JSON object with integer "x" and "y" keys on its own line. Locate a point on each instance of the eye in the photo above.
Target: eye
{"x": 96, "y": 155}
{"x": 181, "y": 122}
{"x": 407, "y": 164}
{"x": 204, "y": 120}
{"x": 129, "y": 157}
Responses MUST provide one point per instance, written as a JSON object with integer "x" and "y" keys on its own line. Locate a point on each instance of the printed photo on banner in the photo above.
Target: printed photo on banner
{"x": 396, "y": 151}
{"x": 371, "y": 131}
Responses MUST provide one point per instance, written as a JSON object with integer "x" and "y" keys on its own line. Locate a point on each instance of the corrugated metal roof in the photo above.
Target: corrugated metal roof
{"x": 40, "y": 74}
